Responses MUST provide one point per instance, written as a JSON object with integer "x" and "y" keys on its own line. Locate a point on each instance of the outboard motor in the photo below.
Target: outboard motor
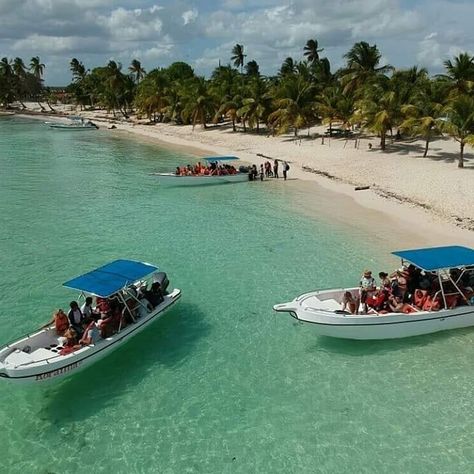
{"x": 162, "y": 279}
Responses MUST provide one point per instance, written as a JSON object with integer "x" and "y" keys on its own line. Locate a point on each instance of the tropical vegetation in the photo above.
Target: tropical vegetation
{"x": 363, "y": 95}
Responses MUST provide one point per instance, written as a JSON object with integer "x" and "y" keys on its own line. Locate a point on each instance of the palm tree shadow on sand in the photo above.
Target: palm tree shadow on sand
{"x": 359, "y": 348}
{"x": 168, "y": 342}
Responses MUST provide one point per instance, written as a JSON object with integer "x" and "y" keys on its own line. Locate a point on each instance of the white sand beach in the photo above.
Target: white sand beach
{"x": 429, "y": 198}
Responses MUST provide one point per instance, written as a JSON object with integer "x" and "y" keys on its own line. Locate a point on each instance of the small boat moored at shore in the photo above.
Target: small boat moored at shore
{"x": 216, "y": 173}
{"x": 76, "y": 123}
{"x": 42, "y": 355}
{"x": 451, "y": 306}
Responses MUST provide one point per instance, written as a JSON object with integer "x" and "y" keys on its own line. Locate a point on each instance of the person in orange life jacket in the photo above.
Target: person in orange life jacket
{"x": 61, "y": 322}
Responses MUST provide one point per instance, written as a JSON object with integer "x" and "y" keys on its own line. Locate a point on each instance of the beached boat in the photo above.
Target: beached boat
{"x": 452, "y": 305}
{"x": 173, "y": 179}
{"x": 76, "y": 123}
{"x": 40, "y": 356}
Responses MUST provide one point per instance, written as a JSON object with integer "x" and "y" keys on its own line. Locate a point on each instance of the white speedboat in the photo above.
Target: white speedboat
{"x": 76, "y": 123}
{"x": 39, "y": 356}
{"x": 449, "y": 267}
{"x": 173, "y": 179}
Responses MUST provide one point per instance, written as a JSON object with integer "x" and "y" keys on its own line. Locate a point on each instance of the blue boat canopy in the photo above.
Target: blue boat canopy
{"x": 220, "y": 158}
{"x": 437, "y": 258}
{"x": 108, "y": 279}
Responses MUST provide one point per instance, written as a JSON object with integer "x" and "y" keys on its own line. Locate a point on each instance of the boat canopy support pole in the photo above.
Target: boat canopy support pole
{"x": 457, "y": 288}
{"x": 442, "y": 289}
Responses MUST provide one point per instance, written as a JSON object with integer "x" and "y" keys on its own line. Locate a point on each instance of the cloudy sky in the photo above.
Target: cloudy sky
{"x": 202, "y": 32}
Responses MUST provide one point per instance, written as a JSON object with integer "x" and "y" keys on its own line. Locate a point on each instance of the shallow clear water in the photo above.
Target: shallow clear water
{"x": 221, "y": 384}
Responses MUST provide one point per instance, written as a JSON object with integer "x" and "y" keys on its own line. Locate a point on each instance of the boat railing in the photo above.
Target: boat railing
{"x": 25, "y": 336}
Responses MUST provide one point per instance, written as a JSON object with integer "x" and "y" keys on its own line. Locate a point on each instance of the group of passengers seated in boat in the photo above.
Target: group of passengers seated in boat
{"x": 410, "y": 289}
{"x": 213, "y": 169}
{"x": 90, "y": 323}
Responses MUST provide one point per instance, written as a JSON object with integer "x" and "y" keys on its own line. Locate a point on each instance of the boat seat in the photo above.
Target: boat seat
{"x": 331, "y": 305}
{"x": 42, "y": 354}
{"x": 18, "y": 357}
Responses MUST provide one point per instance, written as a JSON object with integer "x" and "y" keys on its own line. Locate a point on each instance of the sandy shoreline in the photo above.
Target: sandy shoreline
{"x": 426, "y": 201}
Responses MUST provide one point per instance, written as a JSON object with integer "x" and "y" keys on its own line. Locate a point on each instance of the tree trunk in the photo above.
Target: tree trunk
{"x": 461, "y": 156}
{"x": 383, "y": 137}
{"x": 245, "y": 125}
{"x": 427, "y": 143}
{"x": 258, "y": 127}
{"x": 233, "y": 125}
{"x": 296, "y": 131}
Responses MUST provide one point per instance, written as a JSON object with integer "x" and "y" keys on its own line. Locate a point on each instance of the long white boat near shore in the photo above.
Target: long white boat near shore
{"x": 39, "y": 356}
{"x": 449, "y": 267}
{"x": 75, "y": 123}
{"x": 174, "y": 179}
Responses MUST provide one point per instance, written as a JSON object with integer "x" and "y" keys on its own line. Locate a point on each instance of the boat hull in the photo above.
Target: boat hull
{"x": 71, "y": 127}
{"x": 169, "y": 179}
{"x": 62, "y": 366}
{"x": 334, "y": 323}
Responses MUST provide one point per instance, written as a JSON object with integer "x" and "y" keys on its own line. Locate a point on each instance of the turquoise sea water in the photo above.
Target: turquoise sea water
{"x": 221, "y": 384}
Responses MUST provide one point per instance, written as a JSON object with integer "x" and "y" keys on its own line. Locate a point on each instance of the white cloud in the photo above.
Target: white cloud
{"x": 132, "y": 25}
{"x": 189, "y": 16}
{"x": 270, "y": 30}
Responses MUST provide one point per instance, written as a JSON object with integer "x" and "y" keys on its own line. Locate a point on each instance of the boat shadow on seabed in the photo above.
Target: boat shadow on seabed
{"x": 358, "y": 348}
{"x": 167, "y": 343}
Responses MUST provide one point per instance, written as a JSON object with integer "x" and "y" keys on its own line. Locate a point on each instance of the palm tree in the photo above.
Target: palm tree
{"x": 252, "y": 68}
{"x": 238, "y": 56}
{"x": 225, "y": 82}
{"x": 7, "y": 93}
{"x": 118, "y": 93}
{"x": 379, "y": 108}
{"x": 460, "y": 73}
{"x": 256, "y": 104}
{"x": 151, "y": 94}
{"x": 424, "y": 115}
{"x": 362, "y": 66}
{"x": 335, "y": 106}
{"x": 6, "y": 67}
{"x": 311, "y": 51}
{"x": 137, "y": 69}
{"x": 459, "y": 123}
{"x": 229, "y": 108}
{"x": 288, "y": 67}
{"x": 198, "y": 103}
{"x": 322, "y": 72}
{"x": 294, "y": 105}
{"x": 19, "y": 67}
{"x": 36, "y": 67}
{"x": 78, "y": 70}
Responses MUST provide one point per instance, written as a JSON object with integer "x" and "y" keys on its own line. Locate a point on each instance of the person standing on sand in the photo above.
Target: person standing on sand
{"x": 286, "y": 167}
{"x": 275, "y": 169}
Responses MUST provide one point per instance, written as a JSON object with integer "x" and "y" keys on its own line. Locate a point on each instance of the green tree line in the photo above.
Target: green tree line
{"x": 363, "y": 93}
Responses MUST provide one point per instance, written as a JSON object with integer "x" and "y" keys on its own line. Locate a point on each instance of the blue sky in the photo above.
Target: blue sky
{"x": 202, "y": 32}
